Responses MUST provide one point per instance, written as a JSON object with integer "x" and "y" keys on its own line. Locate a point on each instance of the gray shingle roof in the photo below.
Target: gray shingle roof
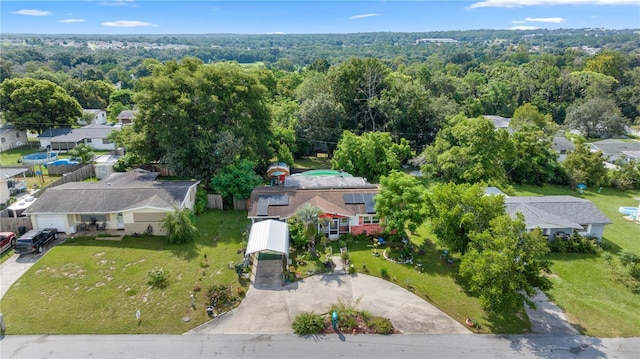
{"x": 562, "y": 144}
{"x": 8, "y": 172}
{"x": 127, "y": 114}
{"x": 615, "y": 147}
{"x": 89, "y": 131}
{"x": 556, "y": 211}
{"x": 118, "y": 192}
{"x": 498, "y": 121}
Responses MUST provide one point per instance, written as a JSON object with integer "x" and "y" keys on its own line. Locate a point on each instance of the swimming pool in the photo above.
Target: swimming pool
{"x": 39, "y": 158}
{"x": 629, "y": 211}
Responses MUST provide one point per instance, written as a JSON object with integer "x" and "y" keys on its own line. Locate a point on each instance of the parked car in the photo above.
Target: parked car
{"x": 35, "y": 240}
{"x": 7, "y": 240}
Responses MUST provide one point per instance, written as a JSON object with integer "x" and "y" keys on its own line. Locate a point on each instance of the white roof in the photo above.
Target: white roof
{"x": 269, "y": 235}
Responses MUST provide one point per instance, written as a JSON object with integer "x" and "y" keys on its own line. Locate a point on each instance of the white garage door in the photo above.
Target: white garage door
{"x": 51, "y": 221}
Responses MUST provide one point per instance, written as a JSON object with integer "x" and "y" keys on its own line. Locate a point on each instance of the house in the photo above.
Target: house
{"x": 10, "y": 184}
{"x": 614, "y": 149}
{"x": 11, "y": 137}
{"x": 561, "y": 145}
{"x": 555, "y": 215}
{"x": 499, "y": 122}
{"x": 347, "y": 202}
{"x": 93, "y": 117}
{"x": 133, "y": 202}
{"x": 66, "y": 139}
{"x": 126, "y": 117}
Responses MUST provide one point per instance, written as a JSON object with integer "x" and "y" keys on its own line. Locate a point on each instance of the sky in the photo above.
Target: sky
{"x": 308, "y": 17}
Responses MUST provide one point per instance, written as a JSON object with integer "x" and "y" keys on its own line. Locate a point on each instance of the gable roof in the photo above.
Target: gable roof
{"x": 7, "y": 128}
{"x": 9, "y": 172}
{"x": 268, "y": 235}
{"x": 555, "y": 211}
{"x": 89, "y": 131}
{"x": 116, "y": 193}
{"x": 615, "y": 147}
{"x": 561, "y": 143}
{"x": 498, "y": 121}
{"x": 53, "y": 132}
{"x": 127, "y": 114}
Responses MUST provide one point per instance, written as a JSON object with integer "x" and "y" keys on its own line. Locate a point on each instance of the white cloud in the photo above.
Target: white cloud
{"x": 518, "y": 22}
{"x": 521, "y": 3}
{"x": 362, "y": 16}
{"x": 128, "y": 23}
{"x": 523, "y": 27}
{"x": 67, "y": 21}
{"x": 119, "y": 3}
{"x": 555, "y": 20}
{"x": 32, "y": 12}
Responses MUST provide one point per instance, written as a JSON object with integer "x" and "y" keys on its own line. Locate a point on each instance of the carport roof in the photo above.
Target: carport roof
{"x": 269, "y": 235}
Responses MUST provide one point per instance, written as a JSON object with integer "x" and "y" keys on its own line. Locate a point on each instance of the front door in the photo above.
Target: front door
{"x": 120, "y": 221}
{"x": 334, "y": 227}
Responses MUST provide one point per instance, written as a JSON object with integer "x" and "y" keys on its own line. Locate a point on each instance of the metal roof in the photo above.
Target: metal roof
{"x": 269, "y": 235}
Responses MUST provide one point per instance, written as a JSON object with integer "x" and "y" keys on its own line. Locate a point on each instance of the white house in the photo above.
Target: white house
{"x": 93, "y": 117}
{"x": 617, "y": 149}
{"x": 11, "y": 137}
{"x": 92, "y": 135}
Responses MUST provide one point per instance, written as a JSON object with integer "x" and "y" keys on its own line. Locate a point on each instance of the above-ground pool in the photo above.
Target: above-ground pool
{"x": 629, "y": 211}
{"x": 39, "y": 158}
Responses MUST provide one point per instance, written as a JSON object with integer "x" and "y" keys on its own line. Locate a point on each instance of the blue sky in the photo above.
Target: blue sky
{"x": 302, "y": 16}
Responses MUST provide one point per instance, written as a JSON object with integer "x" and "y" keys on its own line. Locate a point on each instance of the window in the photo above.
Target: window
{"x": 2, "y": 140}
{"x": 370, "y": 220}
{"x": 105, "y": 141}
{"x": 17, "y": 134}
{"x": 344, "y": 220}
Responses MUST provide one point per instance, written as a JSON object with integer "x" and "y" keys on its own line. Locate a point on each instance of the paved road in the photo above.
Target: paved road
{"x": 289, "y": 346}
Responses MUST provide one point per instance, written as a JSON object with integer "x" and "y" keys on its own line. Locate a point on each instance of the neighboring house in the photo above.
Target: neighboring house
{"x": 133, "y": 202}
{"x": 126, "y": 117}
{"x": 561, "y": 145}
{"x": 499, "y": 122}
{"x": 11, "y": 137}
{"x": 617, "y": 149}
{"x": 10, "y": 183}
{"x": 93, "y": 117}
{"x": 346, "y": 202}
{"x": 66, "y": 139}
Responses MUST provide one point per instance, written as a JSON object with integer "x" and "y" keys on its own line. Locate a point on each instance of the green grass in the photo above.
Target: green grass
{"x": 6, "y": 255}
{"x": 312, "y": 162}
{"x": 96, "y": 286}
{"x": 584, "y": 285}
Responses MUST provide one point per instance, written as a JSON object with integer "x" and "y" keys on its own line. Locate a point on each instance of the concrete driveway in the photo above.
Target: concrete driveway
{"x": 271, "y": 308}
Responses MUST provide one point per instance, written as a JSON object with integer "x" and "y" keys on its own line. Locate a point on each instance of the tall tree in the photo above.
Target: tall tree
{"x": 531, "y": 159}
{"x": 455, "y": 211}
{"x": 528, "y": 115}
{"x": 199, "y": 118}
{"x": 180, "y": 226}
{"x": 37, "y": 104}
{"x": 504, "y": 265}
{"x": 370, "y": 155}
{"x": 596, "y": 118}
{"x": 235, "y": 180}
{"x": 467, "y": 150}
{"x": 400, "y": 203}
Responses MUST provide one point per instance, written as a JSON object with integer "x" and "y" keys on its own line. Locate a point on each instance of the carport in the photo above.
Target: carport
{"x": 268, "y": 250}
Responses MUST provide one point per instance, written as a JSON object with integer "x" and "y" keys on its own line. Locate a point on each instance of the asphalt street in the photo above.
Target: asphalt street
{"x": 329, "y": 346}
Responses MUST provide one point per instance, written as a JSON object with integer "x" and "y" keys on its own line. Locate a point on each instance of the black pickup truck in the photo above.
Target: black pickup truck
{"x": 35, "y": 240}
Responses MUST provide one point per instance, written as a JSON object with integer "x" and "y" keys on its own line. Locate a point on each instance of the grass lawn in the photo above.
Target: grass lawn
{"x": 96, "y": 286}
{"x": 312, "y": 162}
{"x": 584, "y": 285}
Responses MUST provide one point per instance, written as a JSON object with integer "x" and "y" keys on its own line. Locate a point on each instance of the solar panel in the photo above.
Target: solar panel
{"x": 356, "y": 198}
{"x": 348, "y": 198}
{"x": 274, "y": 200}
{"x": 263, "y": 209}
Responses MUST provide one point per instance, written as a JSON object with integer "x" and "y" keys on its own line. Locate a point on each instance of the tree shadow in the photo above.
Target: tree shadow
{"x": 557, "y": 346}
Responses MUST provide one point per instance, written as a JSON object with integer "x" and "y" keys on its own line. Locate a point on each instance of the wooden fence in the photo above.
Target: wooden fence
{"x": 62, "y": 169}
{"x": 11, "y": 224}
{"x": 214, "y": 201}
{"x": 75, "y": 176}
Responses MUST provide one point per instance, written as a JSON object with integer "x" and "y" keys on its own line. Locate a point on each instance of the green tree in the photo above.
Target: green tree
{"x": 531, "y": 158}
{"x": 626, "y": 176}
{"x": 596, "y": 118}
{"x": 37, "y": 104}
{"x": 528, "y": 115}
{"x": 504, "y": 265}
{"x": 199, "y": 118}
{"x": 370, "y": 155}
{"x": 237, "y": 180}
{"x": 180, "y": 226}
{"x": 311, "y": 218}
{"x": 83, "y": 152}
{"x": 467, "y": 150}
{"x": 401, "y": 202}
{"x": 584, "y": 166}
{"x": 320, "y": 120}
{"x": 455, "y": 211}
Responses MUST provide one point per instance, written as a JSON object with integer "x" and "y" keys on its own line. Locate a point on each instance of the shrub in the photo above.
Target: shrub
{"x": 384, "y": 273}
{"x": 381, "y": 325}
{"x": 634, "y": 271}
{"x": 352, "y": 269}
{"x": 308, "y": 323}
{"x": 180, "y": 226}
{"x": 628, "y": 257}
{"x": 575, "y": 244}
{"x": 158, "y": 278}
{"x": 201, "y": 202}
{"x": 219, "y": 295}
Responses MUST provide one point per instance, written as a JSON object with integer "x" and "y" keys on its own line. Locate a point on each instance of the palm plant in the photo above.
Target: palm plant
{"x": 310, "y": 216}
{"x": 180, "y": 226}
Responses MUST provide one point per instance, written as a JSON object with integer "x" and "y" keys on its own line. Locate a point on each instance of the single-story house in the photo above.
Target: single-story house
{"x": 614, "y": 149}
{"x": 10, "y": 184}
{"x": 499, "y": 122}
{"x": 11, "y": 137}
{"x": 556, "y": 215}
{"x": 126, "y": 117}
{"x": 66, "y": 139}
{"x": 562, "y": 145}
{"x": 93, "y": 117}
{"x": 346, "y": 202}
{"x": 133, "y": 202}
